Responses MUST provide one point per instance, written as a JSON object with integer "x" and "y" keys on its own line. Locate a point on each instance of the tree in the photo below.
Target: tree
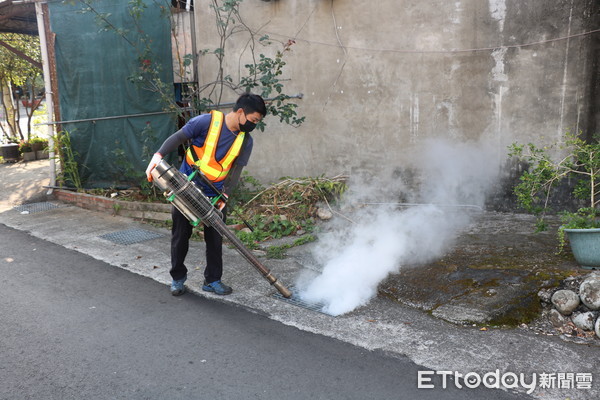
{"x": 580, "y": 163}
{"x": 263, "y": 74}
{"x": 20, "y": 71}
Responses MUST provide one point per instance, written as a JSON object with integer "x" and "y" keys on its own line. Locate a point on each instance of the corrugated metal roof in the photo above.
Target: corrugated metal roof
{"x": 18, "y": 17}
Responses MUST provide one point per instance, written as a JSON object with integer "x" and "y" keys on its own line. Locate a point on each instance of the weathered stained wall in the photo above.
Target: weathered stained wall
{"x": 379, "y": 78}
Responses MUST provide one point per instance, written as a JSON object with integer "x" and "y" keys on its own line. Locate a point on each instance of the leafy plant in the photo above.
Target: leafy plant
{"x": 266, "y": 75}
{"x": 290, "y": 204}
{"x": 42, "y": 141}
{"x": 246, "y": 188}
{"x": 69, "y": 167}
{"x": 147, "y": 137}
{"x": 279, "y": 252}
{"x": 580, "y": 162}
{"x": 282, "y": 209}
{"x": 24, "y": 147}
{"x": 263, "y": 75}
{"x": 116, "y": 208}
{"x": 583, "y": 218}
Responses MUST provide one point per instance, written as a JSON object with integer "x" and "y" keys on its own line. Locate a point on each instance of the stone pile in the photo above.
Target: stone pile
{"x": 576, "y": 307}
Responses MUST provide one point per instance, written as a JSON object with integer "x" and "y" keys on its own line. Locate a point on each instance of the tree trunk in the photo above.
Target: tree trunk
{"x": 9, "y": 107}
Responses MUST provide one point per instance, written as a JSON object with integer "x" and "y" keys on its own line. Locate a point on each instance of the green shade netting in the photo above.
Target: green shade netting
{"x": 94, "y": 68}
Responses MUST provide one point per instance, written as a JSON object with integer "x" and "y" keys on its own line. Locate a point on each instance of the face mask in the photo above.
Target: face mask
{"x": 247, "y": 126}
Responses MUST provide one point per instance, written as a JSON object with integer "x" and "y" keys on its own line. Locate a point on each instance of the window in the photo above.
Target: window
{"x": 181, "y": 4}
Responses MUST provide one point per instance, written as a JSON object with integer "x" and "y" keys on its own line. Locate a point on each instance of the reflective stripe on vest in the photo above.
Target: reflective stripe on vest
{"x": 205, "y": 157}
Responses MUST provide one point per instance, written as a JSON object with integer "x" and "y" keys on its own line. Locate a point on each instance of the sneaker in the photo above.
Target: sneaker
{"x": 177, "y": 288}
{"x": 217, "y": 287}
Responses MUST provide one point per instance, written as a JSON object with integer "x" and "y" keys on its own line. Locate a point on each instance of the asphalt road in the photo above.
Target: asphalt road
{"x": 72, "y": 327}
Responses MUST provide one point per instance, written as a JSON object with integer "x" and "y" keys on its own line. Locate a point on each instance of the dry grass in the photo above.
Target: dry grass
{"x": 295, "y": 198}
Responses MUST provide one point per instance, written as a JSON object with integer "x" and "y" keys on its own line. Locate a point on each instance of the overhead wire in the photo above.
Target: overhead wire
{"x": 449, "y": 51}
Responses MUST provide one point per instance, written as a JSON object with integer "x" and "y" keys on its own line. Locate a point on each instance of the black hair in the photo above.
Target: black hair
{"x": 251, "y": 103}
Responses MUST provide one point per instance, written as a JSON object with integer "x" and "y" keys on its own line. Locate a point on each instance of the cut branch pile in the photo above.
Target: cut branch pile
{"x": 296, "y": 198}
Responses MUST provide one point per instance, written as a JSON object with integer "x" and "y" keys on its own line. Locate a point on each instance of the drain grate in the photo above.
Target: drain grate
{"x": 32, "y": 208}
{"x": 297, "y": 301}
{"x": 130, "y": 236}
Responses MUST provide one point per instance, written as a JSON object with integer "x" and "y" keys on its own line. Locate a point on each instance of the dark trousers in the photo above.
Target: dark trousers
{"x": 180, "y": 243}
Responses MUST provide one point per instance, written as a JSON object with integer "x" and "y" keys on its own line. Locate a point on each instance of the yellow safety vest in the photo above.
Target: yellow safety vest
{"x": 205, "y": 157}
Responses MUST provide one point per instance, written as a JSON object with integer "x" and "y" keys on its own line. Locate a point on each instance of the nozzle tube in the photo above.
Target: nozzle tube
{"x": 195, "y": 206}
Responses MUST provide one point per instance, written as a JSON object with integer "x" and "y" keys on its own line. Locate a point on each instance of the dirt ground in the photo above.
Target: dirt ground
{"x": 23, "y": 182}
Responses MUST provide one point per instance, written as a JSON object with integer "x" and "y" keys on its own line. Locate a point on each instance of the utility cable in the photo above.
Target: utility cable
{"x": 471, "y": 50}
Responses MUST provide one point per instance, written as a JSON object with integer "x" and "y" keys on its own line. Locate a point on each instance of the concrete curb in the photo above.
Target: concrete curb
{"x": 156, "y": 212}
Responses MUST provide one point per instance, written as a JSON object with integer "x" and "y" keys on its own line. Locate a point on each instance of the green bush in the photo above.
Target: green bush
{"x": 580, "y": 161}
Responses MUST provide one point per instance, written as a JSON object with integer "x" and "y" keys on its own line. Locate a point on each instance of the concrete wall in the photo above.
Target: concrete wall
{"x": 380, "y": 77}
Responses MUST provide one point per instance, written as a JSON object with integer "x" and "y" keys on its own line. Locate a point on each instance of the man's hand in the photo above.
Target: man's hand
{"x": 155, "y": 160}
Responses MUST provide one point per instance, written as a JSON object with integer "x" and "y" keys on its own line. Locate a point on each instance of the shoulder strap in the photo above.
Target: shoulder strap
{"x": 215, "y": 123}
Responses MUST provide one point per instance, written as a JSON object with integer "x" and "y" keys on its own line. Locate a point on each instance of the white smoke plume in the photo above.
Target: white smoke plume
{"x": 453, "y": 180}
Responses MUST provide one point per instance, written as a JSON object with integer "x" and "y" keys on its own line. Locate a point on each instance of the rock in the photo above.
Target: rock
{"x": 597, "y": 328}
{"x": 324, "y": 214}
{"x": 565, "y": 301}
{"x": 584, "y": 321}
{"x": 568, "y": 329}
{"x": 556, "y": 318}
{"x": 572, "y": 283}
{"x": 259, "y": 253}
{"x": 545, "y": 295}
{"x": 589, "y": 292}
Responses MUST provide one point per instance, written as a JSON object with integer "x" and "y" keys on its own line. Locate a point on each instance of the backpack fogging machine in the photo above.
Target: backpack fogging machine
{"x": 183, "y": 193}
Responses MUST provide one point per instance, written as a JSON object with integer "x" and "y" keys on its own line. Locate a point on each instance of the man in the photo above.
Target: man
{"x": 220, "y": 148}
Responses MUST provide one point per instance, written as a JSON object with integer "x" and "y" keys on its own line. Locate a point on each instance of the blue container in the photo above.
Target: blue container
{"x": 585, "y": 244}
